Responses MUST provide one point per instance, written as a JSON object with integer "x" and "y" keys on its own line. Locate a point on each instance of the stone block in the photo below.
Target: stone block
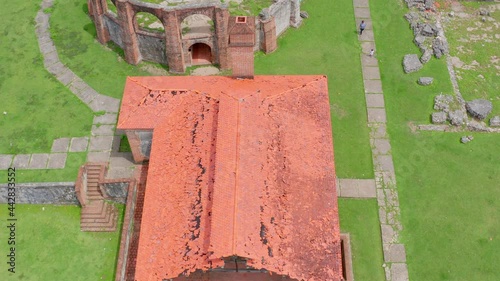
{"x": 57, "y": 161}
{"x": 60, "y": 145}
{"x": 5, "y": 160}
{"x": 79, "y": 144}
{"x": 376, "y": 115}
{"x": 39, "y": 161}
{"x": 101, "y": 143}
{"x": 374, "y": 100}
{"x": 21, "y": 161}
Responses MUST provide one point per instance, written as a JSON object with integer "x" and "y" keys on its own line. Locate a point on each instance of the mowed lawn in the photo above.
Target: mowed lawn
{"x": 448, "y": 191}
{"x": 327, "y": 43}
{"x": 359, "y": 218}
{"x": 74, "y": 35}
{"x": 50, "y": 246}
{"x": 35, "y": 108}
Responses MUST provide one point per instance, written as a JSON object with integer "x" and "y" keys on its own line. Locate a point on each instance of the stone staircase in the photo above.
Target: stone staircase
{"x": 97, "y": 214}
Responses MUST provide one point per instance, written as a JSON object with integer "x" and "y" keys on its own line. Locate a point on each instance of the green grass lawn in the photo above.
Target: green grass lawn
{"x": 35, "y": 108}
{"x": 447, "y": 190}
{"x": 327, "y": 43}
{"x": 74, "y": 35}
{"x": 360, "y": 219}
{"x": 50, "y": 246}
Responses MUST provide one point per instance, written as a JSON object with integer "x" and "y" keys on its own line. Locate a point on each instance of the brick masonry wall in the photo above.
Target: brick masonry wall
{"x": 171, "y": 51}
{"x": 140, "y": 144}
{"x": 243, "y": 62}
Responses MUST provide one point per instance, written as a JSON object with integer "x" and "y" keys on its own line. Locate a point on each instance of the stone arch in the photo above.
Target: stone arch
{"x": 200, "y": 52}
{"x": 197, "y": 26}
{"x": 144, "y": 21}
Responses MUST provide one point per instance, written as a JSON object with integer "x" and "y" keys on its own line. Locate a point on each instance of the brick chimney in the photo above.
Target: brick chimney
{"x": 241, "y": 44}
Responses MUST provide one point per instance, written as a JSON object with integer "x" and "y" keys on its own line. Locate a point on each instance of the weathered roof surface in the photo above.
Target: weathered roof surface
{"x": 237, "y": 167}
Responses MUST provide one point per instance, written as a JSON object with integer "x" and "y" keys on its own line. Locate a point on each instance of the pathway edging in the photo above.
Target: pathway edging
{"x": 103, "y": 129}
{"x": 394, "y": 251}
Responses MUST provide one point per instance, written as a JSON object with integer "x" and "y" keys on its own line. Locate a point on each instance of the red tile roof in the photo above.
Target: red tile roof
{"x": 237, "y": 167}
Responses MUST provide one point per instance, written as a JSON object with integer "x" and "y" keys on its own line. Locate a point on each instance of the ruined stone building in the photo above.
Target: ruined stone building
{"x": 170, "y": 45}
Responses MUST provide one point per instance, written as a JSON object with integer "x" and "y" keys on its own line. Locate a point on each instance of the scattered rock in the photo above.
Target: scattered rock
{"x": 265, "y": 14}
{"x": 411, "y": 63}
{"x": 442, "y": 102}
{"x": 429, "y": 4}
{"x": 424, "y": 81}
{"x": 451, "y": 14}
{"x": 419, "y": 40}
{"x": 483, "y": 19}
{"x": 427, "y": 31}
{"x": 477, "y": 126}
{"x": 484, "y": 12}
{"x": 466, "y": 139}
{"x": 304, "y": 14}
{"x": 479, "y": 108}
{"x": 495, "y": 121}
{"x": 426, "y": 57}
{"x": 457, "y": 117}
{"x": 439, "y": 117}
{"x": 440, "y": 47}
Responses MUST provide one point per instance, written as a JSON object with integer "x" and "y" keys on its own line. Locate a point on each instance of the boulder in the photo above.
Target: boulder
{"x": 479, "y": 108}
{"x": 426, "y": 57}
{"x": 466, "y": 139}
{"x": 477, "y": 126}
{"x": 495, "y": 121}
{"x": 440, "y": 47}
{"x": 427, "y": 31}
{"x": 442, "y": 102}
{"x": 304, "y": 14}
{"x": 429, "y": 4}
{"x": 457, "y": 117}
{"x": 484, "y": 12}
{"x": 424, "y": 81}
{"x": 439, "y": 117}
{"x": 411, "y": 63}
{"x": 419, "y": 40}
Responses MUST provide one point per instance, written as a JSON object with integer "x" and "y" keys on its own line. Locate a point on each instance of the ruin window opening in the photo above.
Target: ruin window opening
{"x": 148, "y": 22}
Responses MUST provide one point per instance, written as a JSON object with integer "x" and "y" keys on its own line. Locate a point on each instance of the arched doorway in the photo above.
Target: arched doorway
{"x": 200, "y": 54}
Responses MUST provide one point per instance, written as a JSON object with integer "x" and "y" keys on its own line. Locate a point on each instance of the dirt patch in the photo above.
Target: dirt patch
{"x": 205, "y": 71}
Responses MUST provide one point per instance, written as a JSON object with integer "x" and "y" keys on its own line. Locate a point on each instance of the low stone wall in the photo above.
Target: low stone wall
{"x": 286, "y": 13}
{"x": 58, "y": 193}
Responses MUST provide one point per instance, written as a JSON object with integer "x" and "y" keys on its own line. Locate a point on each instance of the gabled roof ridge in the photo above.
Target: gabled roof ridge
{"x": 297, "y": 87}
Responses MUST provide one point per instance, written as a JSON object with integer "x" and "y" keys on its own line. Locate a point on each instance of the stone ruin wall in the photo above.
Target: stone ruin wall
{"x": 168, "y": 47}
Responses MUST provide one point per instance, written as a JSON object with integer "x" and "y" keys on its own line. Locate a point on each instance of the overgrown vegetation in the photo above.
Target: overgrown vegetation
{"x": 446, "y": 189}
{"x": 475, "y": 44}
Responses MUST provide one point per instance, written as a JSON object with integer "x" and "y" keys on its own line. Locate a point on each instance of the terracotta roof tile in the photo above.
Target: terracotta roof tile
{"x": 237, "y": 167}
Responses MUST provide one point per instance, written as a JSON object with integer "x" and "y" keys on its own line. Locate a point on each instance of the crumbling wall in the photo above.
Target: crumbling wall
{"x": 152, "y": 47}
{"x": 169, "y": 48}
{"x": 114, "y": 29}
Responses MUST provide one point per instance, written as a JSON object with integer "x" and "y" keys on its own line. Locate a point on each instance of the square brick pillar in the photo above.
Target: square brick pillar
{"x": 174, "y": 53}
{"x": 129, "y": 38}
{"x": 269, "y": 44}
{"x": 221, "y": 25}
{"x": 97, "y": 8}
{"x": 241, "y": 44}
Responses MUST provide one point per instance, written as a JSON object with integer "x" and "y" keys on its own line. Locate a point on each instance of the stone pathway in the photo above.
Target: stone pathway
{"x": 106, "y": 110}
{"x": 385, "y": 178}
{"x": 356, "y": 188}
